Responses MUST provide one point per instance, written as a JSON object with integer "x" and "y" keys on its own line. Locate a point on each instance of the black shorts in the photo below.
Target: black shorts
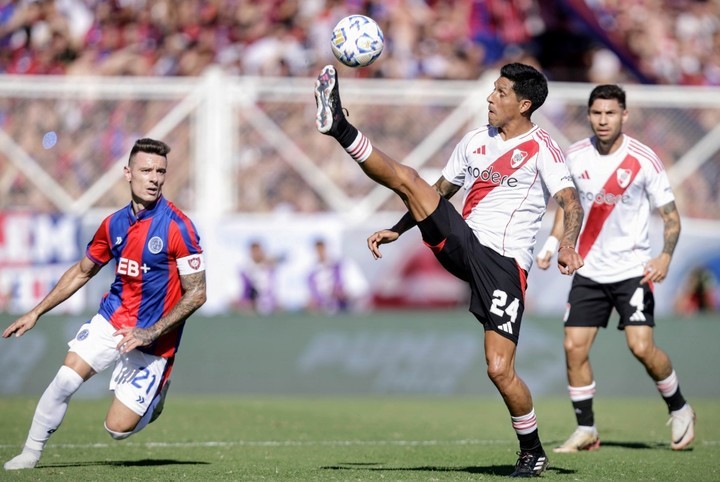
{"x": 591, "y": 303}
{"x": 497, "y": 283}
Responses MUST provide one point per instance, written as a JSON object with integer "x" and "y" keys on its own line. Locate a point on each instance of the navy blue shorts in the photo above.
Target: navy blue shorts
{"x": 497, "y": 283}
{"x": 591, "y": 303}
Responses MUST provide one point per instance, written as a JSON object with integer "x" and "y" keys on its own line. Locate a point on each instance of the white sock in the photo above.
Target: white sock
{"x": 585, "y": 428}
{"x": 360, "y": 149}
{"x": 525, "y": 424}
{"x": 51, "y": 409}
{"x": 669, "y": 386}
{"x": 578, "y": 394}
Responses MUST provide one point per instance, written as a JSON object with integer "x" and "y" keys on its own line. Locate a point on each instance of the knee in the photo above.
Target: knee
{"x": 641, "y": 349}
{"x": 405, "y": 180}
{"x": 500, "y": 372}
{"x": 117, "y": 433}
{"x": 575, "y": 352}
{"x": 67, "y": 381}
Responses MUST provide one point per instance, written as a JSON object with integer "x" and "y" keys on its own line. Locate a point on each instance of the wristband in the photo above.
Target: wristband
{"x": 551, "y": 244}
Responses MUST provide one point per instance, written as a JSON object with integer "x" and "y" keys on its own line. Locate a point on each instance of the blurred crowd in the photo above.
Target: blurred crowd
{"x": 625, "y": 41}
{"x": 328, "y": 283}
{"x": 667, "y": 41}
{"x": 673, "y": 41}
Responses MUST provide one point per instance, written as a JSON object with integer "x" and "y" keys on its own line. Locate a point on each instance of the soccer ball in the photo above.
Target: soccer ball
{"x": 357, "y": 41}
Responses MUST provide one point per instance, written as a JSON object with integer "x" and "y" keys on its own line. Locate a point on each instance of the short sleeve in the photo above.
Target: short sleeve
{"x": 454, "y": 171}
{"x": 553, "y": 168}
{"x": 658, "y": 188}
{"x": 185, "y": 246}
{"x": 99, "y": 248}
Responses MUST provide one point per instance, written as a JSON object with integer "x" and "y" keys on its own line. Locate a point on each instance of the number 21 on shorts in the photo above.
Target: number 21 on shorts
{"x": 144, "y": 379}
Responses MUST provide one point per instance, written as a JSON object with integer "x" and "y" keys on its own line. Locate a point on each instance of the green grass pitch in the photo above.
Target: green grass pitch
{"x": 358, "y": 439}
{"x": 300, "y": 428}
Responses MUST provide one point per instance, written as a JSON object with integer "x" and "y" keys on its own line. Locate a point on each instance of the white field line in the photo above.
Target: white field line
{"x": 277, "y": 443}
{"x": 295, "y": 443}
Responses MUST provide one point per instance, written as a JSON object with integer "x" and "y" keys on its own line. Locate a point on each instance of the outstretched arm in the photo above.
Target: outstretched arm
{"x": 552, "y": 243}
{"x": 70, "y": 282}
{"x": 443, "y": 187}
{"x": 656, "y": 269}
{"x": 568, "y": 259}
{"x": 194, "y": 296}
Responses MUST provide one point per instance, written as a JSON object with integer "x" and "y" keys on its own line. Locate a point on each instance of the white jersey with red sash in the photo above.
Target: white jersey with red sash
{"x": 507, "y": 185}
{"x": 617, "y": 192}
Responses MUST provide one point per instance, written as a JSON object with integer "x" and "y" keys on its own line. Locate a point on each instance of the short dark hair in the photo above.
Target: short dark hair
{"x": 151, "y": 146}
{"x": 609, "y": 92}
{"x": 528, "y": 83}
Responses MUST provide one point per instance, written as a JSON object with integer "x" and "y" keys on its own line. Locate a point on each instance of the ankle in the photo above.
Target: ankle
{"x": 346, "y": 132}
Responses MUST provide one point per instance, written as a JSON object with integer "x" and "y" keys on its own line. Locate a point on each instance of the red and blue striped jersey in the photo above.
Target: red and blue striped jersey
{"x": 151, "y": 251}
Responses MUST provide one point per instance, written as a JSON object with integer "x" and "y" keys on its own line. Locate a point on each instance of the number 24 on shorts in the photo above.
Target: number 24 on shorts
{"x": 500, "y": 306}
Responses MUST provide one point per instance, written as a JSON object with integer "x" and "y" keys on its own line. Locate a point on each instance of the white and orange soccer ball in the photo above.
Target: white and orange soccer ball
{"x": 357, "y": 41}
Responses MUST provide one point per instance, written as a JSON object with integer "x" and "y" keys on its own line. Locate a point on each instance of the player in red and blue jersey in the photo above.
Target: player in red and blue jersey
{"x": 159, "y": 282}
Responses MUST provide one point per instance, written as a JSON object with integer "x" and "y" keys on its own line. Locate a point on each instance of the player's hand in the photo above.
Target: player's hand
{"x": 543, "y": 260}
{"x": 656, "y": 269}
{"x": 21, "y": 325}
{"x": 381, "y": 237}
{"x": 133, "y": 337}
{"x": 569, "y": 260}
{"x": 546, "y": 252}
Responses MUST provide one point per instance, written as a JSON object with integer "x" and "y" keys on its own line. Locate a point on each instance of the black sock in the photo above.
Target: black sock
{"x": 347, "y": 133}
{"x": 530, "y": 442}
{"x": 584, "y": 412}
{"x": 675, "y": 401}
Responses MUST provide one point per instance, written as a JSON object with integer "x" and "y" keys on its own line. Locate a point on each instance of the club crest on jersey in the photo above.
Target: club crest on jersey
{"x": 194, "y": 262}
{"x": 517, "y": 158}
{"x": 155, "y": 245}
{"x": 623, "y": 177}
{"x": 82, "y": 335}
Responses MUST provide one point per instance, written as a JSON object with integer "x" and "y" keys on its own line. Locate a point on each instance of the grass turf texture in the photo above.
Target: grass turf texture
{"x": 364, "y": 438}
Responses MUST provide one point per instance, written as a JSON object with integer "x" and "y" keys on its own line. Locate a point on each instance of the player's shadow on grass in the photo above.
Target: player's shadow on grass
{"x": 635, "y": 445}
{"x": 127, "y": 463}
{"x": 499, "y": 470}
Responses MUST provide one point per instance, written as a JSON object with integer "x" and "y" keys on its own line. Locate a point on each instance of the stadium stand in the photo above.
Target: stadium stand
{"x": 664, "y": 42}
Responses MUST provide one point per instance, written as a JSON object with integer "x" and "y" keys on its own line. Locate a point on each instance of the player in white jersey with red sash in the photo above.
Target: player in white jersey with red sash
{"x": 619, "y": 181}
{"x": 509, "y": 169}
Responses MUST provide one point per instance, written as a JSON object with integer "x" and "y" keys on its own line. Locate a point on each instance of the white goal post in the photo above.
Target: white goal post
{"x": 214, "y": 108}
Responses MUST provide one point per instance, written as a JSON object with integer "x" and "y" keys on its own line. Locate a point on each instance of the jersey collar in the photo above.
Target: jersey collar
{"x": 148, "y": 212}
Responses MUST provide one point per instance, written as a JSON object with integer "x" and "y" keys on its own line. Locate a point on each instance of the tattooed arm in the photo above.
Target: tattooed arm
{"x": 568, "y": 259}
{"x": 656, "y": 269}
{"x": 194, "y": 296}
{"x": 443, "y": 187}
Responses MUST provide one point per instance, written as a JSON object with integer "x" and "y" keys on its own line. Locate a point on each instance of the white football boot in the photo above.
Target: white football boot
{"x": 682, "y": 424}
{"x": 25, "y": 460}
{"x": 583, "y": 438}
